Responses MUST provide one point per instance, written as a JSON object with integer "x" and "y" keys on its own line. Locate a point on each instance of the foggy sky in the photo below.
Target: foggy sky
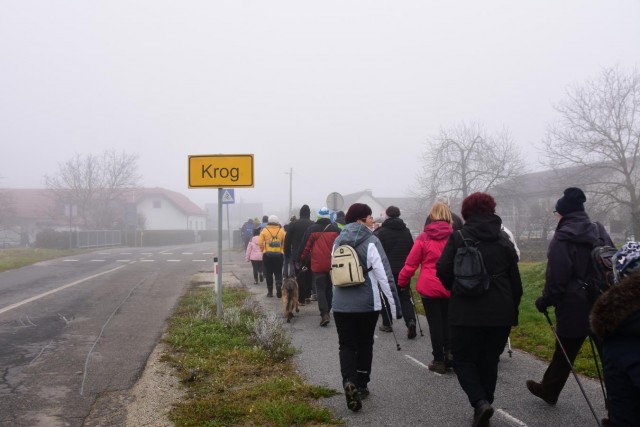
{"x": 344, "y": 92}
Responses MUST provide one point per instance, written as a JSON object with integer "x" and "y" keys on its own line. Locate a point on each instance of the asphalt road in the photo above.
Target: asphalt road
{"x": 75, "y": 333}
{"x": 404, "y": 392}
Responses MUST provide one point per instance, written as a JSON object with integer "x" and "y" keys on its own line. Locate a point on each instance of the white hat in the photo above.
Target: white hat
{"x": 274, "y": 219}
{"x": 323, "y": 212}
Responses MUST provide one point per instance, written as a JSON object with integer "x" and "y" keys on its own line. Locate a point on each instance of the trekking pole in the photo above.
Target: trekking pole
{"x": 414, "y": 309}
{"x": 571, "y": 366}
{"x": 509, "y": 347}
{"x": 388, "y": 310}
{"x": 595, "y": 360}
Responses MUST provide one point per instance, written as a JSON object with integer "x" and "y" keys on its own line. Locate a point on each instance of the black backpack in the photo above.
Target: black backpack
{"x": 470, "y": 275}
{"x": 600, "y": 272}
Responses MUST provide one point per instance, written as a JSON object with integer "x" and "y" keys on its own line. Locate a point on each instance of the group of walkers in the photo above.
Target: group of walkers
{"x": 468, "y": 332}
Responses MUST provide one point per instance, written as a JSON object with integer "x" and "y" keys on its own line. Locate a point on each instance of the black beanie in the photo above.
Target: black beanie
{"x": 572, "y": 201}
{"x": 357, "y": 211}
{"x": 305, "y": 212}
{"x": 393, "y": 212}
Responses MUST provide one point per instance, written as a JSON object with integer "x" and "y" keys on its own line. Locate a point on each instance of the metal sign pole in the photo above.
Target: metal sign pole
{"x": 219, "y": 290}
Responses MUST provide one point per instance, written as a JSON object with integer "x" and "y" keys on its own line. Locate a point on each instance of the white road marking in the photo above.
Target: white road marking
{"x": 511, "y": 418}
{"x": 207, "y": 253}
{"x": 187, "y": 253}
{"x": 147, "y": 253}
{"x": 173, "y": 260}
{"x": 97, "y": 260}
{"x": 199, "y": 260}
{"x": 122, "y": 260}
{"x": 166, "y": 253}
{"x": 416, "y": 361}
{"x": 53, "y": 291}
{"x": 147, "y": 260}
{"x": 69, "y": 260}
{"x": 125, "y": 253}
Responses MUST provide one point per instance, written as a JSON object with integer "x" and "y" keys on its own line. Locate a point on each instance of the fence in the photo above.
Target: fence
{"x": 96, "y": 238}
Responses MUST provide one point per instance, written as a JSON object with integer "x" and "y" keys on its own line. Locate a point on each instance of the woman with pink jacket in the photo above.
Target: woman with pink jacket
{"x": 435, "y": 298}
{"x": 254, "y": 254}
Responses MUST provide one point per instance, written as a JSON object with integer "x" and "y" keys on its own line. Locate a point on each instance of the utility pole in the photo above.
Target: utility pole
{"x": 290, "y": 173}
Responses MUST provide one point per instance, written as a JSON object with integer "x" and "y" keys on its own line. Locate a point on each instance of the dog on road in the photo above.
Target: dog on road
{"x": 290, "y": 297}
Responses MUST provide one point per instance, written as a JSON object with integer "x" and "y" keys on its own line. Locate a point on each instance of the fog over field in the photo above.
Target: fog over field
{"x": 344, "y": 93}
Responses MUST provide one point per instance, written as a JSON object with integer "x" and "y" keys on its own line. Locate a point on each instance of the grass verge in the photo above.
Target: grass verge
{"x": 19, "y": 257}
{"x": 238, "y": 370}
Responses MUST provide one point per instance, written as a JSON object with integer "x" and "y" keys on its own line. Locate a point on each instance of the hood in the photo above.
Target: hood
{"x": 394, "y": 223}
{"x": 353, "y": 234}
{"x": 484, "y": 226}
{"x": 438, "y": 230}
{"x": 618, "y": 309}
{"x": 305, "y": 211}
{"x": 576, "y": 227}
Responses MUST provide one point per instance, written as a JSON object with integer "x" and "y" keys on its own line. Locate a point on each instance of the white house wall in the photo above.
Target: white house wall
{"x": 167, "y": 216}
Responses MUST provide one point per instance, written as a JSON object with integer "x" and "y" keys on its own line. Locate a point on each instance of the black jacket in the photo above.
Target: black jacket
{"x": 396, "y": 241}
{"x": 293, "y": 240}
{"x": 568, "y": 260}
{"x": 616, "y": 320}
{"x": 499, "y": 305}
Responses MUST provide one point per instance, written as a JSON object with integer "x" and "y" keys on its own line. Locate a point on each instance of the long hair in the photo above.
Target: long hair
{"x": 440, "y": 212}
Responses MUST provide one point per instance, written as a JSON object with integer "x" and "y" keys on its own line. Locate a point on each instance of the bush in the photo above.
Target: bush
{"x": 52, "y": 239}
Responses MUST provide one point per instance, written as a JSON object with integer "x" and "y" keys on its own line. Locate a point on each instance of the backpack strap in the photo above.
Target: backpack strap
{"x": 598, "y": 237}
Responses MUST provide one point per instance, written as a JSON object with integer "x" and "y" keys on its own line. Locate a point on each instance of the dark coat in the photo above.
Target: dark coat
{"x": 568, "y": 260}
{"x": 499, "y": 305}
{"x": 293, "y": 240}
{"x": 616, "y": 320}
{"x": 396, "y": 241}
{"x": 318, "y": 243}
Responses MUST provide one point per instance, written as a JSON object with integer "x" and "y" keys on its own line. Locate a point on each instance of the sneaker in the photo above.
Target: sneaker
{"x": 411, "y": 331}
{"x": 438, "y": 367}
{"x": 481, "y": 414}
{"x": 324, "y": 321}
{"x": 279, "y": 293}
{"x": 537, "y": 390}
{"x": 354, "y": 401}
{"x": 385, "y": 328}
{"x": 364, "y": 392}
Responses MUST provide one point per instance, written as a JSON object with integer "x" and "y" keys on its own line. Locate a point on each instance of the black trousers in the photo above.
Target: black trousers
{"x": 304, "y": 283}
{"x": 408, "y": 312}
{"x": 355, "y": 338}
{"x": 476, "y": 352}
{"x": 324, "y": 288}
{"x": 257, "y": 269}
{"x": 272, "y": 264}
{"x": 557, "y": 373}
{"x": 437, "y": 313}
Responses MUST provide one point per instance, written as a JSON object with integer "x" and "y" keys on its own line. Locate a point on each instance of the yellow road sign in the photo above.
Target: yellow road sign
{"x": 221, "y": 170}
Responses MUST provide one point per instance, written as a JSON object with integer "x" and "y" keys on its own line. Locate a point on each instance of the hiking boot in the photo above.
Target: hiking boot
{"x": 438, "y": 367}
{"x": 448, "y": 360}
{"x": 385, "y": 328}
{"x": 481, "y": 414}
{"x": 270, "y": 294}
{"x": 354, "y": 401}
{"x": 324, "y": 321}
{"x": 537, "y": 390}
{"x": 411, "y": 331}
{"x": 364, "y": 392}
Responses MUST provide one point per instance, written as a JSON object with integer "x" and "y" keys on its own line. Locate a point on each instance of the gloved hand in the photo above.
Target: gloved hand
{"x": 541, "y": 305}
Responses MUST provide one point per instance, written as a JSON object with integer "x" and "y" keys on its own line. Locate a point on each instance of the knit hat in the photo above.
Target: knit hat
{"x": 626, "y": 261}
{"x": 357, "y": 211}
{"x": 572, "y": 201}
{"x": 323, "y": 212}
{"x": 340, "y": 214}
{"x": 393, "y": 212}
{"x": 305, "y": 212}
{"x": 274, "y": 219}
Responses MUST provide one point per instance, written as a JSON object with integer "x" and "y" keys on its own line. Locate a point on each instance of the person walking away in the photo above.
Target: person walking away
{"x": 397, "y": 242}
{"x": 568, "y": 262}
{"x": 292, "y": 248}
{"x": 457, "y": 221}
{"x": 318, "y": 244}
{"x": 480, "y": 324}
{"x": 247, "y": 232}
{"x": 271, "y": 242}
{"x": 615, "y": 319}
{"x": 288, "y": 269}
{"x": 254, "y": 254}
{"x": 356, "y": 308}
{"x": 435, "y": 298}
{"x": 265, "y": 221}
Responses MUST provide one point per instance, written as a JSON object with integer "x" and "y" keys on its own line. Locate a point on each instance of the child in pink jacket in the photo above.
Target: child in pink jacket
{"x": 435, "y": 298}
{"x": 254, "y": 254}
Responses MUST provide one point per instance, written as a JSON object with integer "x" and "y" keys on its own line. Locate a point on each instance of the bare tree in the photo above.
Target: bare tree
{"x": 599, "y": 131}
{"x": 464, "y": 159}
{"x": 95, "y": 184}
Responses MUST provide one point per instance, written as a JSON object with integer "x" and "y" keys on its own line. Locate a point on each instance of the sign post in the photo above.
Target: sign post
{"x": 221, "y": 171}
{"x": 228, "y": 199}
